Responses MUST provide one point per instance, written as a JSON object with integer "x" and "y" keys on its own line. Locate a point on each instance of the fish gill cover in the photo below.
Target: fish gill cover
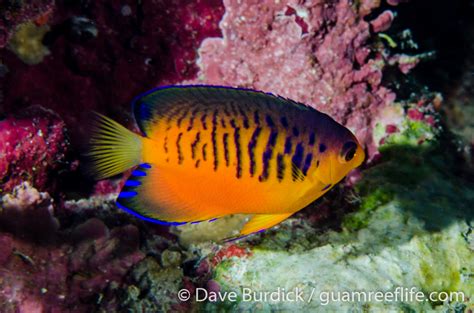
{"x": 404, "y": 219}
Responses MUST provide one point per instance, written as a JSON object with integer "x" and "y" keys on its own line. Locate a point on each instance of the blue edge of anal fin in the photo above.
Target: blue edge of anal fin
{"x": 130, "y": 185}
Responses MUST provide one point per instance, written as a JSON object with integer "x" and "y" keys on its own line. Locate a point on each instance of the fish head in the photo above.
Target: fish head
{"x": 346, "y": 155}
{"x": 339, "y": 153}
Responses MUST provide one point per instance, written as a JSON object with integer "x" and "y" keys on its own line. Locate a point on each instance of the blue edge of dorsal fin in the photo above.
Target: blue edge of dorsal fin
{"x": 137, "y": 99}
{"x": 130, "y": 185}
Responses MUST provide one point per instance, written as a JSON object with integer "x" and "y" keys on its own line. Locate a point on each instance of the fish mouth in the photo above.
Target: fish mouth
{"x": 360, "y": 156}
{"x": 339, "y": 169}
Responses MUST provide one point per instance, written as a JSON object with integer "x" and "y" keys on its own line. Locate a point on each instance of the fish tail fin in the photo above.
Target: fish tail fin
{"x": 113, "y": 148}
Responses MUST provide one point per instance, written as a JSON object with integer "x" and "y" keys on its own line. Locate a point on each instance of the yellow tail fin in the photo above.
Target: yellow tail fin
{"x": 113, "y": 148}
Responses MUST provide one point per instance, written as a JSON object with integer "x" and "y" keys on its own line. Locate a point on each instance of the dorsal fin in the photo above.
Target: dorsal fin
{"x": 164, "y": 102}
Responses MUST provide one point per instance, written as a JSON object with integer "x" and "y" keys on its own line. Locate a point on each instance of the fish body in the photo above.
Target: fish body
{"x": 209, "y": 151}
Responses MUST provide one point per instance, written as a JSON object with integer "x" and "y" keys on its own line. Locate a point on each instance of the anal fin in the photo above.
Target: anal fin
{"x": 263, "y": 221}
{"x": 127, "y": 198}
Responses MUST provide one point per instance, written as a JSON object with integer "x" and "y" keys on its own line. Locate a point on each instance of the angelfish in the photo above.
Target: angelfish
{"x": 211, "y": 151}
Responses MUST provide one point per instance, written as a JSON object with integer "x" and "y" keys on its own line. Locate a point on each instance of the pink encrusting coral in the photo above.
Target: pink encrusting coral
{"x": 382, "y": 22}
{"x": 326, "y": 63}
{"x": 396, "y": 2}
{"x": 33, "y": 147}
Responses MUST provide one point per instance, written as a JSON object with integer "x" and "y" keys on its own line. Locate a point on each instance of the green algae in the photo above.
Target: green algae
{"x": 423, "y": 181}
{"x": 365, "y": 263}
{"x": 411, "y": 132}
{"x": 391, "y": 43}
{"x": 417, "y": 172}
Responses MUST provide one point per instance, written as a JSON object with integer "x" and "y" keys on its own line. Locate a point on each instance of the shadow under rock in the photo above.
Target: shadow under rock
{"x": 429, "y": 183}
{"x": 438, "y": 26}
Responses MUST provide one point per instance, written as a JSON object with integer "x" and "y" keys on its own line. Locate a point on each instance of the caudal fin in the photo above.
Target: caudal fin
{"x": 113, "y": 148}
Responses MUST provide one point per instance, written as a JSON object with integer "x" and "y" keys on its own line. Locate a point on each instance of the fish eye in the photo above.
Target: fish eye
{"x": 348, "y": 151}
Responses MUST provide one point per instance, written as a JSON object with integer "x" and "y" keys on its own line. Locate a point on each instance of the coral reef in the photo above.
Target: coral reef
{"x": 45, "y": 268}
{"x": 102, "y": 55}
{"x": 405, "y": 219}
{"x": 14, "y": 13}
{"x": 326, "y": 64}
{"x": 27, "y": 209}
{"x": 163, "y": 295}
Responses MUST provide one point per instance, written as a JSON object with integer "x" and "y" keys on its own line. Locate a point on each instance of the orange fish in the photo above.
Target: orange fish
{"x": 209, "y": 151}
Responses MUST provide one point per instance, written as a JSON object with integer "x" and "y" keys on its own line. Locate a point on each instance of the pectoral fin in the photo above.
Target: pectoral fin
{"x": 263, "y": 221}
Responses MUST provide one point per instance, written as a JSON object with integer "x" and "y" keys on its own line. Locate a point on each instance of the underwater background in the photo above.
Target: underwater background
{"x": 399, "y": 74}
